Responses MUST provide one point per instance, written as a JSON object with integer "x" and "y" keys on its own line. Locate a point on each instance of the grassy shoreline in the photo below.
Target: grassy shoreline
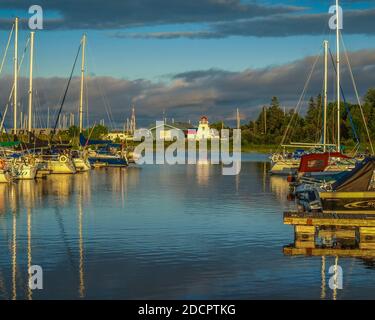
{"x": 259, "y": 148}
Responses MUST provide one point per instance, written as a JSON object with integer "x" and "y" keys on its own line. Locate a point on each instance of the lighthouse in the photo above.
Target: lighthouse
{"x": 204, "y": 131}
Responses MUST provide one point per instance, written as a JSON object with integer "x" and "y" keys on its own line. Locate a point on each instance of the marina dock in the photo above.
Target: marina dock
{"x": 328, "y": 219}
{"x": 345, "y": 235}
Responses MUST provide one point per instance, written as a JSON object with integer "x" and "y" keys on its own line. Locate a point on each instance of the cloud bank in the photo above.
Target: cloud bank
{"x": 116, "y": 14}
{"x": 216, "y": 93}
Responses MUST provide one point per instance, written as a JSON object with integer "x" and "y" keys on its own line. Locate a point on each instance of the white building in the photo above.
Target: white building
{"x": 203, "y": 132}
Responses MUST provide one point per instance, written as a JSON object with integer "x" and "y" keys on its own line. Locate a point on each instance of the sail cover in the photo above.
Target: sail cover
{"x": 357, "y": 180}
{"x": 10, "y": 143}
{"x": 317, "y": 162}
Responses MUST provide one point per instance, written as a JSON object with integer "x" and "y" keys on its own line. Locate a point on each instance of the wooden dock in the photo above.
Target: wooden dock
{"x": 329, "y": 219}
{"x": 334, "y": 252}
{"x": 356, "y": 232}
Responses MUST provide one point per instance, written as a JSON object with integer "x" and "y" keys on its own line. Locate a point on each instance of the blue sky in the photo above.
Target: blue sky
{"x": 152, "y": 41}
{"x": 154, "y": 58}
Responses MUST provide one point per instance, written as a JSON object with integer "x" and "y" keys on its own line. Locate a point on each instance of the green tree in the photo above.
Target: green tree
{"x": 73, "y": 131}
{"x": 97, "y": 132}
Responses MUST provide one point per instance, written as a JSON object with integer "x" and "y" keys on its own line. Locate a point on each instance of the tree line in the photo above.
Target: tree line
{"x": 271, "y": 125}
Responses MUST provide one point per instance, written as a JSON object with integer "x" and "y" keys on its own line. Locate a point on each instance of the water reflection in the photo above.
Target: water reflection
{"x": 203, "y": 171}
{"x": 14, "y": 257}
{"x": 162, "y": 232}
{"x": 81, "y": 253}
{"x": 323, "y": 276}
{"x": 56, "y": 194}
{"x": 280, "y": 187}
{"x": 29, "y": 260}
{"x": 335, "y": 242}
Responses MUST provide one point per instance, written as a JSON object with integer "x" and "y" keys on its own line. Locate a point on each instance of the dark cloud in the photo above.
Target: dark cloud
{"x": 115, "y": 14}
{"x": 279, "y": 25}
{"x": 188, "y": 95}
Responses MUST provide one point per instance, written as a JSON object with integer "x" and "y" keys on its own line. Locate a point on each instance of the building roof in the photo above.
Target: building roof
{"x": 175, "y": 125}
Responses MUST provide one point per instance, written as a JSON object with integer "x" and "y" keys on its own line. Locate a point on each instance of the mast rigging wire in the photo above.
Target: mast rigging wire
{"x": 357, "y": 96}
{"x": 300, "y": 99}
{"x": 66, "y": 91}
{"x": 6, "y": 49}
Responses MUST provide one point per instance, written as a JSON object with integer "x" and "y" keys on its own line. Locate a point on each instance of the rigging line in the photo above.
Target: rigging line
{"x": 37, "y": 104}
{"x": 6, "y": 48}
{"x": 357, "y": 95}
{"x": 87, "y": 102}
{"x": 103, "y": 96}
{"x": 66, "y": 90}
{"x": 37, "y": 107}
{"x": 301, "y": 97}
{"x": 110, "y": 112}
{"x": 345, "y": 103}
{"x": 2, "y": 116}
{"x": 325, "y": 29}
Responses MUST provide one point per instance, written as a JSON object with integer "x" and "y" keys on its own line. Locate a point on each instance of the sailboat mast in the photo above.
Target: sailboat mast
{"x": 238, "y": 119}
{"x": 15, "y": 98}
{"x": 325, "y": 95}
{"x": 31, "y": 80}
{"x": 338, "y": 74}
{"x": 82, "y": 84}
{"x": 133, "y": 123}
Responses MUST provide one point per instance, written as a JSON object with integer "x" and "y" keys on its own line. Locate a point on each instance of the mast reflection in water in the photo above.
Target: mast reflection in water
{"x": 162, "y": 231}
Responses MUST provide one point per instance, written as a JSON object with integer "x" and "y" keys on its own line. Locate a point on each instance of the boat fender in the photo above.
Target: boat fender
{"x": 2, "y": 164}
{"x": 277, "y": 157}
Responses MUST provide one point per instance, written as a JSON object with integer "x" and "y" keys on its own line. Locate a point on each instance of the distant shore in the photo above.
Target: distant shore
{"x": 250, "y": 148}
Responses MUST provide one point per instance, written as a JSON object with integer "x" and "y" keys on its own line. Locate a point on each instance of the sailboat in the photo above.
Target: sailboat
{"x": 63, "y": 160}
{"x": 290, "y": 163}
{"x": 105, "y": 153}
{"x": 328, "y": 156}
{"x": 350, "y": 190}
{"x": 6, "y": 174}
{"x": 19, "y": 165}
{"x": 26, "y": 165}
{"x": 53, "y": 163}
{"x": 80, "y": 158}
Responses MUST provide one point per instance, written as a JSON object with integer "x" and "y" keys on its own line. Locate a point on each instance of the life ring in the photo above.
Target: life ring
{"x": 277, "y": 157}
{"x": 63, "y": 159}
{"x": 2, "y": 164}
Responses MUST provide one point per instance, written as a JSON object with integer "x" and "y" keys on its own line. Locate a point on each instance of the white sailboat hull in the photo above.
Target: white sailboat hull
{"x": 285, "y": 167}
{"x": 81, "y": 164}
{"x": 59, "y": 167}
{"x": 5, "y": 176}
{"x": 27, "y": 172}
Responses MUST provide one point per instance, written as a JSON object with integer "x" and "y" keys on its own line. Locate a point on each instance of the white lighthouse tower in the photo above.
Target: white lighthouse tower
{"x": 204, "y": 131}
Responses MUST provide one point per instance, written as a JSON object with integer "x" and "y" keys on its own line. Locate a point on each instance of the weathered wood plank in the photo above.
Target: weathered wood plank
{"x": 367, "y": 230}
{"x": 305, "y": 229}
{"x": 304, "y": 244}
{"x": 341, "y": 234}
{"x": 293, "y": 218}
{"x": 367, "y": 251}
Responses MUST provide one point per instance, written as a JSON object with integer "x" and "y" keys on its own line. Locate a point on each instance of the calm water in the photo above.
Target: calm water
{"x": 161, "y": 232}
